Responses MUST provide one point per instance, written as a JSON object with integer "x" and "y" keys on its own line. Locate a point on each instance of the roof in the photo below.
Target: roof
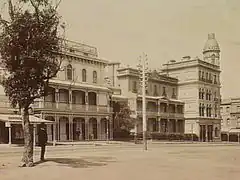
{"x": 211, "y": 43}
{"x": 76, "y": 84}
{"x": 16, "y": 119}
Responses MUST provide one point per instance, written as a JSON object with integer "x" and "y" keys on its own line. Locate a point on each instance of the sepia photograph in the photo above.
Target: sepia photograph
{"x": 119, "y": 89}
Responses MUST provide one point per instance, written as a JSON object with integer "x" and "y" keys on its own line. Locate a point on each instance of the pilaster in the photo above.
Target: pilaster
{"x": 87, "y": 128}
{"x": 57, "y": 97}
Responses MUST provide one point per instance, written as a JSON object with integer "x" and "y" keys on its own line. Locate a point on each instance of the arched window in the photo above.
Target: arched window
{"x": 94, "y": 76}
{"x": 69, "y": 72}
{"x": 84, "y": 75}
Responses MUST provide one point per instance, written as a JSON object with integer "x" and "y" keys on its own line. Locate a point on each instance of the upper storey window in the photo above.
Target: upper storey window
{"x": 94, "y": 76}
{"x": 164, "y": 92}
{"x": 84, "y": 75}
{"x": 69, "y": 72}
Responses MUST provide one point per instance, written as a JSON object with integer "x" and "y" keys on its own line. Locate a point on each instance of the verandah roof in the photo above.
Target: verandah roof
{"x": 17, "y": 119}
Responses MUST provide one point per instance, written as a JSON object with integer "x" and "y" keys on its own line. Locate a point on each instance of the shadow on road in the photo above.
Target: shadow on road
{"x": 79, "y": 162}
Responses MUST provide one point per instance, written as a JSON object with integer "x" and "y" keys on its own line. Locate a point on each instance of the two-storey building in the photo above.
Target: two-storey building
{"x": 79, "y": 98}
{"x": 78, "y": 103}
{"x": 230, "y": 112}
{"x": 164, "y": 110}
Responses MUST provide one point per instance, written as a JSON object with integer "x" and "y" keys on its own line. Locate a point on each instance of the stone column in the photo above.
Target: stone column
{"x": 87, "y": 128}
{"x": 57, "y": 128}
{"x": 54, "y": 133}
{"x": 99, "y": 130}
{"x": 110, "y": 128}
{"x": 70, "y": 121}
{"x": 159, "y": 124}
{"x": 168, "y": 123}
{"x": 9, "y": 134}
{"x": 97, "y": 96}
{"x": 70, "y": 99}
{"x": 177, "y": 126}
{"x": 159, "y": 106}
{"x": 176, "y": 109}
{"x": 86, "y": 100}
{"x": 57, "y": 97}
{"x": 34, "y": 134}
{"x": 206, "y": 132}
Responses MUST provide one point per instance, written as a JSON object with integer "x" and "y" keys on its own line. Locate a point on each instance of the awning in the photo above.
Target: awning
{"x": 119, "y": 97}
{"x": 235, "y": 130}
{"x": 17, "y": 119}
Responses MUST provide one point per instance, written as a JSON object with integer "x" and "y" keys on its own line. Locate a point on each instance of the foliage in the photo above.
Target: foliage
{"x": 29, "y": 49}
{"x": 124, "y": 119}
{"x": 29, "y": 46}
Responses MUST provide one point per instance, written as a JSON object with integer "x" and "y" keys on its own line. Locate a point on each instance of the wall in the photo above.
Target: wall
{"x": 78, "y": 65}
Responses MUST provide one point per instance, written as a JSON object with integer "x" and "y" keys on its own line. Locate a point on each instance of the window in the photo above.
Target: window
{"x": 69, "y": 72}
{"x": 84, "y": 75}
{"x": 210, "y": 77}
{"x": 207, "y": 93}
{"x": 164, "y": 91}
{"x": 134, "y": 88}
{"x": 238, "y": 108}
{"x": 200, "y": 75}
{"x": 94, "y": 76}
{"x": 215, "y": 110}
{"x": 201, "y": 109}
{"x": 174, "y": 93}
{"x": 206, "y": 76}
{"x": 215, "y": 79}
{"x": 201, "y": 93}
{"x": 209, "y": 111}
{"x": 227, "y": 109}
{"x": 155, "y": 90}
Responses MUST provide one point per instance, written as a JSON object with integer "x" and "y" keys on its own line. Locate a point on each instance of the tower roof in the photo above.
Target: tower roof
{"x": 211, "y": 44}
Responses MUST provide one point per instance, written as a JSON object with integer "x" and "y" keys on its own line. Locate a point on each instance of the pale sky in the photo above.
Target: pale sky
{"x": 164, "y": 29}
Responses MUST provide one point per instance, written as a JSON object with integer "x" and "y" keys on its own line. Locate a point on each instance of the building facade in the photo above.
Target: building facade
{"x": 199, "y": 87}
{"x": 78, "y": 102}
{"x": 184, "y": 97}
{"x": 230, "y": 112}
{"x": 164, "y": 110}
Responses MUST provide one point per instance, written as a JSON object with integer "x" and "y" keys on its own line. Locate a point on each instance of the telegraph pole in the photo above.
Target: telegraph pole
{"x": 143, "y": 77}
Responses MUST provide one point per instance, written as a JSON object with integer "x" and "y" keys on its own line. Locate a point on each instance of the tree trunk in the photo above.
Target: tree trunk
{"x": 28, "y": 139}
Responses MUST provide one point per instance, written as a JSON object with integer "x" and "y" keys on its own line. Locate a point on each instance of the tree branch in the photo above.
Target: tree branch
{"x": 11, "y": 10}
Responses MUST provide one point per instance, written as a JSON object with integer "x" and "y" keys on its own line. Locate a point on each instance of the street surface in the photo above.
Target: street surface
{"x": 127, "y": 161}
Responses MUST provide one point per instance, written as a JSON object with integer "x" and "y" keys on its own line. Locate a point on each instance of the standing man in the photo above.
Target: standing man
{"x": 42, "y": 140}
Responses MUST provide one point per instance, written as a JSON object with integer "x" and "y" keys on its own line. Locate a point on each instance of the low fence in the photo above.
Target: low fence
{"x": 126, "y": 136}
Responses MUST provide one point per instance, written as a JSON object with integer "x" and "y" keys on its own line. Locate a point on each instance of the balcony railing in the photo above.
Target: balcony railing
{"x": 73, "y": 107}
{"x": 103, "y": 109}
{"x": 79, "y": 107}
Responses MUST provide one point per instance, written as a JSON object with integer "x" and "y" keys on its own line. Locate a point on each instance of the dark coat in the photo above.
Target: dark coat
{"x": 42, "y": 137}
